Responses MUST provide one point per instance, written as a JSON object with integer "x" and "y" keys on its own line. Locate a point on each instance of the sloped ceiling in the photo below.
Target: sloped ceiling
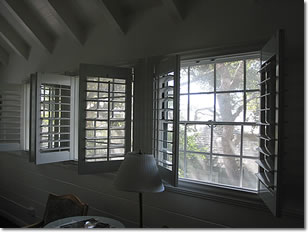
{"x": 25, "y": 24}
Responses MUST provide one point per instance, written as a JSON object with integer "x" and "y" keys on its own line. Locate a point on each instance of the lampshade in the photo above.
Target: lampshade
{"x": 139, "y": 173}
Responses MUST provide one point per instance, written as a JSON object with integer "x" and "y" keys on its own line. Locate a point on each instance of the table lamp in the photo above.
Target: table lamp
{"x": 139, "y": 173}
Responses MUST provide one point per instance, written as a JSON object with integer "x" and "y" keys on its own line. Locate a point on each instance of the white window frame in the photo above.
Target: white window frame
{"x": 214, "y": 123}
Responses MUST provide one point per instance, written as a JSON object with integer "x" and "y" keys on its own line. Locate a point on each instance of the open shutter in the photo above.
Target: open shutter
{"x": 165, "y": 124}
{"x": 105, "y": 117}
{"x": 52, "y": 118}
{"x": 270, "y": 129}
{"x": 10, "y": 118}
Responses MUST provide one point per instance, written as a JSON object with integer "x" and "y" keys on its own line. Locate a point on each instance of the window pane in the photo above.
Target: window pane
{"x": 198, "y": 138}
{"x": 252, "y": 74}
{"x": 92, "y": 86}
{"x": 181, "y": 136}
{"x": 250, "y": 168}
{"x": 202, "y": 78}
{"x": 184, "y": 80}
{"x": 91, "y": 105}
{"x": 230, "y": 76}
{"x": 181, "y": 165}
{"x": 183, "y": 107}
{"x": 201, "y": 107}
{"x": 229, "y": 107}
{"x": 198, "y": 167}
{"x": 91, "y": 95}
{"x": 226, "y": 170}
{"x": 227, "y": 139}
{"x": 252, "y": 107}
{"x": 250, "y": 141}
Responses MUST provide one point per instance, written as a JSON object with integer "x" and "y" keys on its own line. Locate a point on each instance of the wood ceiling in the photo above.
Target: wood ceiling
{"x": 28, "y": 23}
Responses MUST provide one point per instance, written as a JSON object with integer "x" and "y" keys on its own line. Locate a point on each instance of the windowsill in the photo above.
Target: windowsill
{"x": 248, "y": 199}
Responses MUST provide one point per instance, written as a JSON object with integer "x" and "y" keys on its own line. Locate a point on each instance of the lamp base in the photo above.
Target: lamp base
{"x": 140, "y": 211}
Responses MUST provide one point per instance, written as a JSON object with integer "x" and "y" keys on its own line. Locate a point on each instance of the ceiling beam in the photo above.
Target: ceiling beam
{"x": 174, "y": 9}
{"x": 4, "y": 56}
{"x": 112, "y": 14}
{"x": 13, "y": 39}
{"x": 62, "y": 11}
{"x": 26, "y": 17}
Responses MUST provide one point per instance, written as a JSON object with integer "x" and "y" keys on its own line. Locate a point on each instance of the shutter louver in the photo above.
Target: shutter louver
{"x": 270, "y": 119}
{"x": 10, "y": 118}
{"x": 165, "y": 118}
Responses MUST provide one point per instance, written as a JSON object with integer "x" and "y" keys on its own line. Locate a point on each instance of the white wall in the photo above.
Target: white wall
{"x": 208, "y": 24}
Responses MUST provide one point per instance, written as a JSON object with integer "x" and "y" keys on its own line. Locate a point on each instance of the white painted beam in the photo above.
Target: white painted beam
{"x": 13, "y": 39}
{"x": 27, "y": 18}
{"x": 112, "y": 14}
{"x": 4, "y": 56}
{"x": 174, "y": 9}
{"x": 62, "y": 11}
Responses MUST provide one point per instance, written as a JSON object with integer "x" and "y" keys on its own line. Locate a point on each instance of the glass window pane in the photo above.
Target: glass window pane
{"x": 227, "y": 139}
{"x": 202, "y": 78}
{"x": 91, "y": 114}
{"x": 184, "y": 80}
{"x": 250, "y": 141}
{"x": 252, "y": 74}
{"x": 230, "y": 76}
{"x": 183, "y": 107}
{"x": 253, "y": 107}
{"x": 103, "y": 105}
{"x": 181, "y": 136}
{"x": 250, "y": 168}
{"x": 118, "y": 88}
{"x": 229, "y": 107}
{"x": 226, "y": 170}
{"x": 198, "y": 138}
{"x": 102, "y": 115}
{"x": 197, "y": 167}
{"x": 91, "y": 105}
{"x": 181, "y": 165}
{"x": 118, "y": 106}
{"x": 201, "y": 107}
{"x": 117, "y": 133}
{"x": 103, "y": 87}
{"x": 101, "y": 124}
{"x": 91, "y": 95}
{"x": 92, "y": 86}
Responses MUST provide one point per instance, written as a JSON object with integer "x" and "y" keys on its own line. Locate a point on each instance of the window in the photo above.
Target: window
{"x": 219, "y": 111}
{"x": 225, "y": 121}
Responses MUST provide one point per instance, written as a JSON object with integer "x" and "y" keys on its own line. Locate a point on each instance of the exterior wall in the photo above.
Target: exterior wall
{"x": 25, "y": 186}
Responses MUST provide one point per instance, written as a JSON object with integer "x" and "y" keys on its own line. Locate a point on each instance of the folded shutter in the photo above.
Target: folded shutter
{"x": 52, "y": 118}
{"x": 270, "y": 129}
{"x": 10, "y": 117}
{"x": 165, "y": 118}
{"x": 105, "y": 117}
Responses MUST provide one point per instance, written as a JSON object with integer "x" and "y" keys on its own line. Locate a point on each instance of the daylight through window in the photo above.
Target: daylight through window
{"x": 219, "y": 111}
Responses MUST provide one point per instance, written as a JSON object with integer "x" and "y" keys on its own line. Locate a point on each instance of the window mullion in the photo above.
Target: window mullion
{"x": 241, "y": 157}
{"x": 188, "y": 93}
{"x": 185, "y": 149}
{"x": 108, "y": 124}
